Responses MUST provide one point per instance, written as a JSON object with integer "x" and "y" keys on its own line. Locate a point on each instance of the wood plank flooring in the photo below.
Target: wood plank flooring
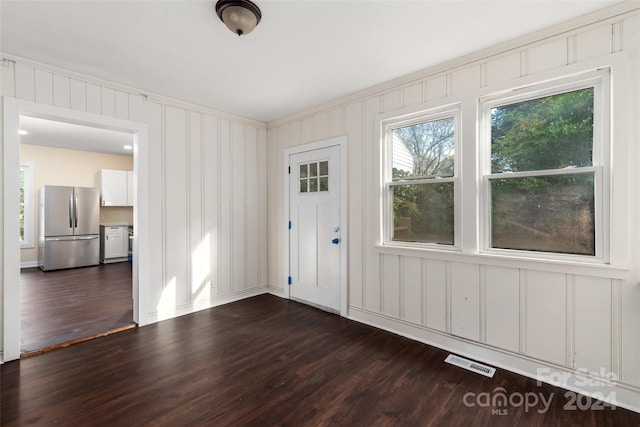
{"x": 63, "y": 306}
{"x": 266, "y": 361}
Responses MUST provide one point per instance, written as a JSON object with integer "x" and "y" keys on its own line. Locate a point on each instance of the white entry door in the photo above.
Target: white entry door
{"x": 315, "y": 229}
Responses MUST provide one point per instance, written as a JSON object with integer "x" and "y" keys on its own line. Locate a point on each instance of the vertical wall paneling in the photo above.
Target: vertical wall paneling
{"x": 262, "y": 207}
{"x": 354, "y": 128}
{"x": 626, "y": 351}
{"x": 238, "y": 219}
{"x": 175, "y": 207}
{"x": 572, "y": 50}
{"x": 78, "y": 94}
{"x": 122, "y": 105}
{"x": 592, "y": 317}
{"x": 570, "y": 320}
{"x": 278, "y": 139}
{"x": 412, "y": 95}
{"x": 44, "y": 87}
{"x": 61, "y": 91}
{"x": 546, "y": 316}
{"x": 7, "y": 78}
{"x": 411, "y": 289}
{"x": 465, "y": 300}
{"x": 252, "y": 210}
{"x": 436, "y": 294}
{"x": 503, "y": 68}
{"x": 552, "y": 54}
{"x": 337, "y": 121}
{"x": 295, "y": 133}
{"x": 108, "y": 98}
{"x": 210, "y": 191}
{"x": 226, "y": 208}
{"x": 465, "y": 79}
{"x": 435, "y": 88}
{"x": 391, "y": 101}
{"x": 25, "y": 82}
{"x": 94, "y": 99}
{"x": 321, "y": 126}
{"x": 617, "y": 36}
{"x": 502, "y": 307}
{"x": 391, "y": 285}
{"x": 369, "y": 176}
{"x": 152, "y": 114}
{"x": 594, "y": 42}
{"x": 198, "y": 255}
{"x": 306, "y": 130}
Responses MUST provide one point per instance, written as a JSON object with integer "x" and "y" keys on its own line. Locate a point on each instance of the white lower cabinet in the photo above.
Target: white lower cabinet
{"x": 114, "y": 243}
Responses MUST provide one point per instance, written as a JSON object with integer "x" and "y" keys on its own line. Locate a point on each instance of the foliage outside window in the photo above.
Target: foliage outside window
{"x": 422, "y": 184}
{"x": 25, "y": 181}
{"x": 543, "y": 174}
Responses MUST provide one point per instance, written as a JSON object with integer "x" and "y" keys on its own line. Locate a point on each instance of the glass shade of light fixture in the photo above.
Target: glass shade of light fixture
{"x": 240, "y": 16}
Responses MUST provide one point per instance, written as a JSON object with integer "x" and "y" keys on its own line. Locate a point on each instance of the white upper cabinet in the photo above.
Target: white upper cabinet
{"x": 129, "y": 188}
{"x": 115, "y": 189}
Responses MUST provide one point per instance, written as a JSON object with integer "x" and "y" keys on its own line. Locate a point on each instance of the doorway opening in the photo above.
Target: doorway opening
{"x": 71, "y": 289}
{"x": 14, "y": 109}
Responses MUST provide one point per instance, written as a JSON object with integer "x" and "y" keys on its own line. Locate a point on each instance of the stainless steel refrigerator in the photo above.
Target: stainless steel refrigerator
{"x": 69, "y": 227}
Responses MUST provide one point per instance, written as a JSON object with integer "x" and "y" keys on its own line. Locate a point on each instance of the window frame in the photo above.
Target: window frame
{"x": 386, "y": 138}
{"x": 600, "y": 167}
{"x": 29, "y": 205}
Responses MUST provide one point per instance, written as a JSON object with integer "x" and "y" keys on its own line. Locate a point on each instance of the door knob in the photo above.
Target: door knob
{"x": 335, "y": 241}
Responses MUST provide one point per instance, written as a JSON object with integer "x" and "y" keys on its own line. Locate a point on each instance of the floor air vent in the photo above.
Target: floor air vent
{"x": 470, "y": 365}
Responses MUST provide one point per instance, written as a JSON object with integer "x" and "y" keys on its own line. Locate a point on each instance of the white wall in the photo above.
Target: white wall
{"x": 207, "y": 188}
{"x": 515, "y": 313}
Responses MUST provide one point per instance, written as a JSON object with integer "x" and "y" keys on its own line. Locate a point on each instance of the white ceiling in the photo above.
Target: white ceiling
{"x": 74, "y": 137}
{"x": 302, "y": 54}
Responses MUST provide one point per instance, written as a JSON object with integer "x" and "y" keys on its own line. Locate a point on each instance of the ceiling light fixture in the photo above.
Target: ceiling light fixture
{"x": 23, "y": 132}
{"x": 128, "y": 147}
{"x": 240, "y": 16}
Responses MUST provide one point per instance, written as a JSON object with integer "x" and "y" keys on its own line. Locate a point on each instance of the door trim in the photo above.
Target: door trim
{"x": 13, "y": 109}
{"x": 341, "y": 142}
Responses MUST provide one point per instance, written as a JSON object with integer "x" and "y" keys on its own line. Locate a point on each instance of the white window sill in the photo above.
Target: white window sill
{"x": 587, "y": 268}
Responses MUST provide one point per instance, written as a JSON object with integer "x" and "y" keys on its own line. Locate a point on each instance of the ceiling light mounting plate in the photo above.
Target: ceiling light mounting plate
{"x": 240, "y": 16}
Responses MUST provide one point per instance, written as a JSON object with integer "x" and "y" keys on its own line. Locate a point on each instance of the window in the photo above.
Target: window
{"x": 314, "y": 177}
{"x": 421, "y": 179}
{"x": 26, "y": 183}
{"x": 544, "y": 172}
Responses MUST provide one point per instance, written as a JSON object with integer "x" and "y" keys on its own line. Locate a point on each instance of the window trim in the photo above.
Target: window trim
{"x": 29, "y": 206}
{"x": 401, "y": 120}
{"x": 601, "y": 162}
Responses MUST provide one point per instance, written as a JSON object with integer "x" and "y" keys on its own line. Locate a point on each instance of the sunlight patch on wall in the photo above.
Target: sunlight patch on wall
{"x": 201, "y": 270}
{"x": 167, "y": 305}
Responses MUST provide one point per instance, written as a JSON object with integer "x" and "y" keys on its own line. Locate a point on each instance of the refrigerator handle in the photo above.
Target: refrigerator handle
{"x": 70, "y": 210}
{"x": 75, "y": 213}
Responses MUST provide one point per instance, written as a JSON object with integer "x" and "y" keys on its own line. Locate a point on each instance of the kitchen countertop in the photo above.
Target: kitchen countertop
{"x": 115, "y": 224}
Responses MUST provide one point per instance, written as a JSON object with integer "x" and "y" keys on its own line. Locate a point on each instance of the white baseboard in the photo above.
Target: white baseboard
{"x": 28, "y": 264}
{"x": 620, "y": 394}
{"x": 203, "y": 305}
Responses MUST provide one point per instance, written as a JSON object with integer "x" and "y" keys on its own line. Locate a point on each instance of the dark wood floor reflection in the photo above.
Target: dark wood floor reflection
{"x": 266, "y": 361}
{"x": 66, "y": 305}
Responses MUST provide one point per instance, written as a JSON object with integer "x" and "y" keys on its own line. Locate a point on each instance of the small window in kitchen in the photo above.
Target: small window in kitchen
{"x": 27, "y": 205}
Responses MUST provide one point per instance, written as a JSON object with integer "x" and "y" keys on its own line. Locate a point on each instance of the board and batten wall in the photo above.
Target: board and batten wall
{"x": 207, "y": 187}
{"x": 541, "y": 318}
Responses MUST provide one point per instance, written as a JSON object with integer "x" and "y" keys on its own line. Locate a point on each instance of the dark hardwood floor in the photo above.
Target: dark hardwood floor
{"x": 266, "y": 361}
{"x": 63, "y": 306}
